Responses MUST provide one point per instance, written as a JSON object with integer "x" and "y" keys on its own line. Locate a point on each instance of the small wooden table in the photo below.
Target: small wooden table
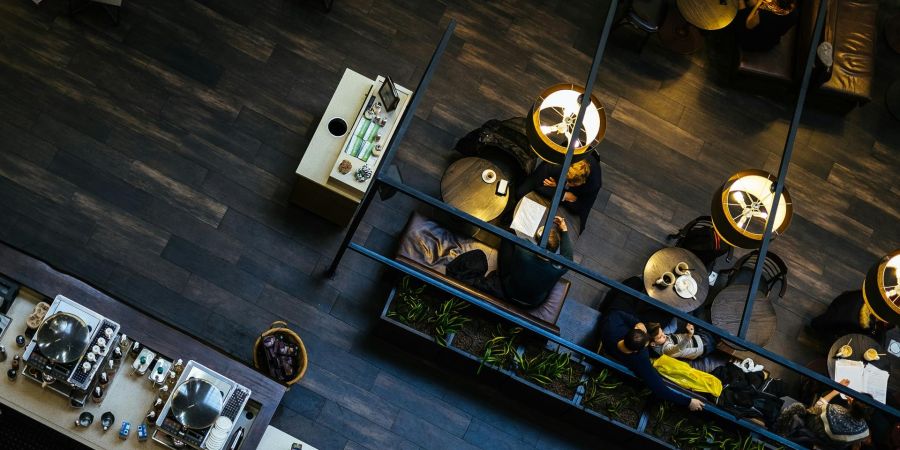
{"x": 728, "y": 309}
{"x": 708, "y": 14}
{"x": 317, "y": 190}
{"x": 859, "y": 343}
{"x": 665, "y": 260}
{"x": 462, "y": 187}
{"x": 677, "y": 33}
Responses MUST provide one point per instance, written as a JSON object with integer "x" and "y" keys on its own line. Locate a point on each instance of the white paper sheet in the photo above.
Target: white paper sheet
{"x": 851, "y": 370}
{"x": 876, "y": 382}
{"x": 865, "y": 378}
{"x": 528, "y": 217}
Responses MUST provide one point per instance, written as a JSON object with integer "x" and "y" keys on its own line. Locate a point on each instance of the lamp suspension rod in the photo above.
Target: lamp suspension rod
{"x": 585, "y": 101}
{"x": 389, "y": 151}
{"x": 782, "y": 172}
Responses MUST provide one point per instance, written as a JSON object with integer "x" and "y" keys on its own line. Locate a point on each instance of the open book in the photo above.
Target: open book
{"x": 528, "y": 217}
{"x": 863, "y": 377}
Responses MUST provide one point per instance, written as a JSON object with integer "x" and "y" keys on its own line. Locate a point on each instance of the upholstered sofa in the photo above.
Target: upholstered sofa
{"x": 850, "y": 26}
{"x": 429, "y": 247}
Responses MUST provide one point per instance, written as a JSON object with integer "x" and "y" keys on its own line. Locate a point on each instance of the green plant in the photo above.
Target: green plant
{"x": 411, "y": 308}
{"x": 544, "y": 368}
{"x": 662, "y": 409}
{"x": 501, "y": 348}
{"x": 598, "y": 388}
{"x": 448, "y": 320}
{"x": 700, "y": 437}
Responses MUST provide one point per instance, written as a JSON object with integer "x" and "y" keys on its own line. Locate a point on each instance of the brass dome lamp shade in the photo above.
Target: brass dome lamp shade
{"x": 551, "y": 123}
{"x": 881, "y": 289}
{"x": 741, "y": 208}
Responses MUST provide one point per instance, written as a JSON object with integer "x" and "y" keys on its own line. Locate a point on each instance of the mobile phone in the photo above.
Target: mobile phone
{"x": 502, "y": 186}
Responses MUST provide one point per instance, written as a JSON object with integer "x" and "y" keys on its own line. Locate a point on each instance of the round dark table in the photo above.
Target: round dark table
{"x": 665, "y": 260}
{"x": 708, "y": 14}
{"x": 463, "y": 188}
{"x": 860, "y": 343}
{"x": 728, "y": 308}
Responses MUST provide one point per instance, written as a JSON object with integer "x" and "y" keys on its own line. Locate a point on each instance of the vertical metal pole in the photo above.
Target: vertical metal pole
{"x": 585, "y": 102}
{"x": 405, "y": 120}
{"x": 782, "y": 172}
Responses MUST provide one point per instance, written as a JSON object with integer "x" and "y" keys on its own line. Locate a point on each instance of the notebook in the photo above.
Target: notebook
{"x": 528, "y": 217}
{"x": 863, "y": 377}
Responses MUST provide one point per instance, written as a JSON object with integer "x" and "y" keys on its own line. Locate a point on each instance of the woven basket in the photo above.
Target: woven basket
{"x": 279, "y": 327}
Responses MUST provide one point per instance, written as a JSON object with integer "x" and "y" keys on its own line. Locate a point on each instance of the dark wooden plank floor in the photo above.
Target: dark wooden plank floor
{"x": 155, "y": 159}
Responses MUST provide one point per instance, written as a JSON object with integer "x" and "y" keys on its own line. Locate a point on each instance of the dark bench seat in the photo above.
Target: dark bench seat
{"x": 429, "y": 247}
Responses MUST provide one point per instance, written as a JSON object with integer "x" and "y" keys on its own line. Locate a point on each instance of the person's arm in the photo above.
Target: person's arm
{"x": 823, "y": 401}
{"x": 565, "y": 244}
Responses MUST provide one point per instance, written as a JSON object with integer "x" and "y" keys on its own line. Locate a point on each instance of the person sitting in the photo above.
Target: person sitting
{"x": 847, "y": 314}
{"x": 625, "y": 339}
{"x": 685, "y": 345}
{"x": 760, "y": 30}
{"x": 526, "y": 277}
{"x": 830, "y": 426}
{"x": 583, "y": 182}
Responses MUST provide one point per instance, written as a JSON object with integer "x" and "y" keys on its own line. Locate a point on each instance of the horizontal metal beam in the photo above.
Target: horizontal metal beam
{"x": 596, "y": 276}
{"x": 427, "y": 278}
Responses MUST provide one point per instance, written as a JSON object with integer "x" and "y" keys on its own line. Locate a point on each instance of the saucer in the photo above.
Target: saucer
{"x": 489, "y": 176}
{"x": 686, "y": 286}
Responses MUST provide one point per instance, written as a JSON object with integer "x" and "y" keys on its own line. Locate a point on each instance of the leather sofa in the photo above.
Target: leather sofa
{"x": 850, "y": 26}
{"x": 429, "y": 247}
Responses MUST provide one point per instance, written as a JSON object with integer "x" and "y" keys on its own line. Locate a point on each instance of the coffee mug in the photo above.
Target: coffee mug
{"x": 666, "y": 279}
{"x": 337, "y": 127}
{"x": 682, "y": 268}
{"x": 85, "y": 419}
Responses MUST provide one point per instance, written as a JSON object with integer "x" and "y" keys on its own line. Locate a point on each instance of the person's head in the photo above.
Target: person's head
{"x": 655, "y": 333}
{"x": 636, "y": 339}
{"x": 578, "y": 173}
{"x": 553, "y": 239}
{"x": 860, "y": 410}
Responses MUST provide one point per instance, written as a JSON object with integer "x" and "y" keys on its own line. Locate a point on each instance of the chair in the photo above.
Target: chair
{"x": 644, "y": 16}
{"x": 774, "y": 271}
{"x": 700, "y": 238}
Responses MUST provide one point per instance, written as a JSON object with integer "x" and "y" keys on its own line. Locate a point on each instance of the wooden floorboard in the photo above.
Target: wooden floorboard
{"x": 156, "y": 158}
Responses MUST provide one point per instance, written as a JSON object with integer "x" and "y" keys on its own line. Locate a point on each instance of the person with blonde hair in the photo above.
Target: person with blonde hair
{"x": 583, "y": 182}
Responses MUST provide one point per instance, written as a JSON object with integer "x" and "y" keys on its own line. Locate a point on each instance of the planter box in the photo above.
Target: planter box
{"x": 516, "y": 386}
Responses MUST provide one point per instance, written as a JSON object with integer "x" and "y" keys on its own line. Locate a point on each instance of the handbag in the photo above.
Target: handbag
{"x": 682, "y": 374}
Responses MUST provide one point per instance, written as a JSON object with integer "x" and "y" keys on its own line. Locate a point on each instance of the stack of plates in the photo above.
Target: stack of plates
{"x": 219, "y": 433}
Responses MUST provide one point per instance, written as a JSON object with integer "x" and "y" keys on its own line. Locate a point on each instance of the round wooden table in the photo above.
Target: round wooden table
{"x": 859, "y": 343}
{"x": 462, "y": 187}
{"x": 708, "y": 14}
{"x": 665, "y": 260}
{"x": 728, "y": 308}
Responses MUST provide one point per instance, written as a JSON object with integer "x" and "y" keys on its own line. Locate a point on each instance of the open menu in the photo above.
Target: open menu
{"x": 528, "y": 218}
{"x": 865, "y": 378}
